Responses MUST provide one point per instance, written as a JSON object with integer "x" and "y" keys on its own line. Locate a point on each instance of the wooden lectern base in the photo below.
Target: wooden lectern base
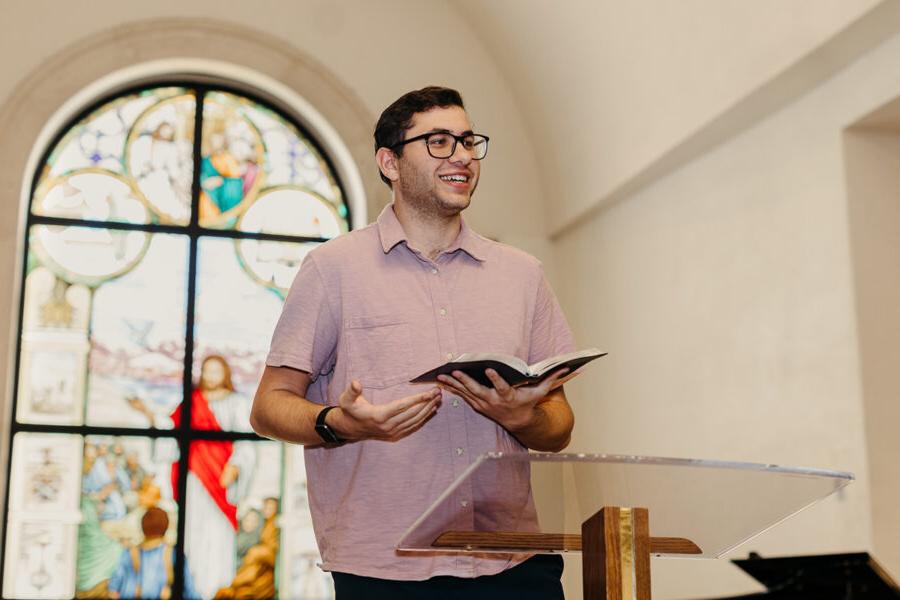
{"x": 615, "y": 544}
{"x": 616, "y": 555}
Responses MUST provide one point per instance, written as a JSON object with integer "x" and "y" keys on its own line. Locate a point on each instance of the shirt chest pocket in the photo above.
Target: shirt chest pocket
{"x": 380, "y": 353}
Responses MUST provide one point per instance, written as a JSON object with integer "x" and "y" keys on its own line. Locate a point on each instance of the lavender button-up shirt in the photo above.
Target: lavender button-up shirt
{"x": 368, "y": 306}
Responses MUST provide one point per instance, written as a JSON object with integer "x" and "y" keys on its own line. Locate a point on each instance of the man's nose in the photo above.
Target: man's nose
{"x": 461, "y": 155}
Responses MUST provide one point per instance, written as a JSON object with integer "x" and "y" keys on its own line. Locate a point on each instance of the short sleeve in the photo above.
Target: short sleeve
{"x": 550, "y": 332}
{"x": 305, "y": 337}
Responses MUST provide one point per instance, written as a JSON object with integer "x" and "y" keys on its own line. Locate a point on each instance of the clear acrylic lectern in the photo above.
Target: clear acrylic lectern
{"x": 616, "y": 510}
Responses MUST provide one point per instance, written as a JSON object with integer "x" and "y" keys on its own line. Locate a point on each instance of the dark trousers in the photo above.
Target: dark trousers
{"x": 535, "y": 579}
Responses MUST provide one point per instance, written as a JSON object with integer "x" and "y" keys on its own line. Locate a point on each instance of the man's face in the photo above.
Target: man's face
{"x": 432, "y": 184}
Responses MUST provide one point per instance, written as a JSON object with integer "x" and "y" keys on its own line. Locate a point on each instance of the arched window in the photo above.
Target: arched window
{"x": 161, "y": 241}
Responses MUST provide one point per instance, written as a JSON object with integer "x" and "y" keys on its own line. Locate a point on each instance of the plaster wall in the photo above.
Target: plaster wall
{"x": 725, "y": 295}
{"x": 873, "y": 178}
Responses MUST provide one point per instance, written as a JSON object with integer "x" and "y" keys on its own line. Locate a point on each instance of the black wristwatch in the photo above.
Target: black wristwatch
{"x": 325, "y": 432}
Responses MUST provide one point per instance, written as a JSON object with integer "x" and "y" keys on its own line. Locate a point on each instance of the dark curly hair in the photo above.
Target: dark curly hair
{"x": 397, "y": 118}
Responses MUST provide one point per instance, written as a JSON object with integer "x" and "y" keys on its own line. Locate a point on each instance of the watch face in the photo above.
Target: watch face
{"x": 325, "y": 432}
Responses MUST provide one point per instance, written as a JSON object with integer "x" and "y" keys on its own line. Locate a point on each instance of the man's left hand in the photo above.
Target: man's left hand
{"x": 511, "y": 407}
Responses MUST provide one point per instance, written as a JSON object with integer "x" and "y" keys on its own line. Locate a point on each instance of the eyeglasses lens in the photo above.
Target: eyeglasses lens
{"x": 443, "y": 145}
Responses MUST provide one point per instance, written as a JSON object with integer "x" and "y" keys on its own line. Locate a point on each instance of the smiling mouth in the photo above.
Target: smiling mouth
{"x": 455, "y": 178}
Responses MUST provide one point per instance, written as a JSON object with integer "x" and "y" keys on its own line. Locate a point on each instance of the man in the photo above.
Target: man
{"x": 372, "y": 309}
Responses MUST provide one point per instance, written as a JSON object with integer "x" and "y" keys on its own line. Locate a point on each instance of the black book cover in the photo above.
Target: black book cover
{"x": 513, "y": 375}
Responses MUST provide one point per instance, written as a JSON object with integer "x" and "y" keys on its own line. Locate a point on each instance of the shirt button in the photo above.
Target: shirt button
{"x": 464, "y": 503}
{"x": 443, "y": 312}
{"x": 456, "y": 402}
{"x": 433, "y": 270}
{"x": 449, "y": 356}
{"x": 459, "y": 451}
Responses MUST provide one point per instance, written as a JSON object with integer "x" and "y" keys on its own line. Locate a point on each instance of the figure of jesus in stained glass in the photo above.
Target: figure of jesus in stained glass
{"x": 219, "y": 474}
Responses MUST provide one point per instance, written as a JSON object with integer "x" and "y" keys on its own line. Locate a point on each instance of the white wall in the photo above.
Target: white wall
{"x": 725, "y": 294}
{"x": 873, "y": 180}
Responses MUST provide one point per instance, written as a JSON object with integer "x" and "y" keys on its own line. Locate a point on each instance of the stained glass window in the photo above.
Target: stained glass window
{"x": 165, "y": 228}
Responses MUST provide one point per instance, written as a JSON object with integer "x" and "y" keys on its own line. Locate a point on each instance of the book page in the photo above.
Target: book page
{"x": 549, "y": 364}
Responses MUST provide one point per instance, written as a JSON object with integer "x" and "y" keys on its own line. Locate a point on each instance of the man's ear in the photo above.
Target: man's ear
{"x": 387, "y": 163}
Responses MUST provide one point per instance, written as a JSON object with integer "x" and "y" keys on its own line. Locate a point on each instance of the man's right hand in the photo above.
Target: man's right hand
{"x": 358, "y": 419}
{"x": 282, "y": 412}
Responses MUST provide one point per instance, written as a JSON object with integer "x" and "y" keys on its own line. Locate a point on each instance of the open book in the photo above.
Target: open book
{"x": 513, "y": 370}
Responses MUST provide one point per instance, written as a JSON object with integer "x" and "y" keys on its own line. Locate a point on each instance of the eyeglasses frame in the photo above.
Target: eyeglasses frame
{"x": 456, "y": 140}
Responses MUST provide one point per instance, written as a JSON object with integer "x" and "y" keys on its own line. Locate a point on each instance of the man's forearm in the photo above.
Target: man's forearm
{"x": 283, "y": 415}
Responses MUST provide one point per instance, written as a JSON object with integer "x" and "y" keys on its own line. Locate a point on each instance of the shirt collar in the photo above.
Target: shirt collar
{"x": 391, "y": 233}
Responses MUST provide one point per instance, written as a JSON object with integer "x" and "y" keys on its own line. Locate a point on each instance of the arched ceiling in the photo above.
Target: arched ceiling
{"x": 608, "y": 87}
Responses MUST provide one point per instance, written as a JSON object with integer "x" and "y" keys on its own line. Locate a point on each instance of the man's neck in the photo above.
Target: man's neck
{"x": 428, "y": 233}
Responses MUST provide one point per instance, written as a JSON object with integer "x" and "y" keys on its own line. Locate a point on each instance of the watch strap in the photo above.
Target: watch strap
{"x": 325, "y": 432}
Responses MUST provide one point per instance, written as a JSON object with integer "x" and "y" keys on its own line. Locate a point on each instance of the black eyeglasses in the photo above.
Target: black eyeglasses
{"x": 442, "y": 144}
